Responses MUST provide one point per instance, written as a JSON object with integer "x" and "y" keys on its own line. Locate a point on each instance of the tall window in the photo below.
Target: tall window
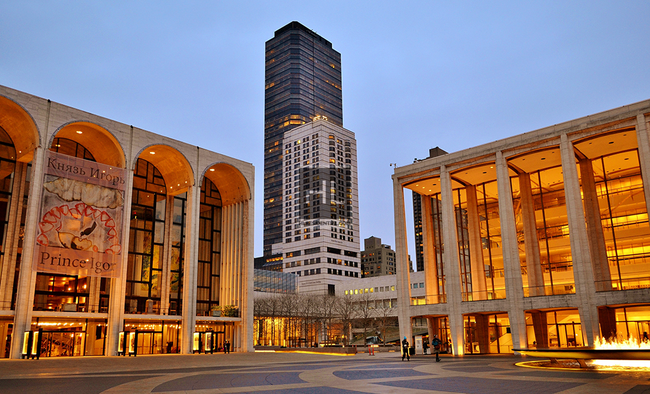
{"x": 7, "y": 171}
{"x": 209, "y": 248}
{"x": 438, "y": 242}
{"x": 624, "y": 218}
{"x": 178, "y": 249}
{"x": 146, "y": 238}
{"x": 552, "y": 231}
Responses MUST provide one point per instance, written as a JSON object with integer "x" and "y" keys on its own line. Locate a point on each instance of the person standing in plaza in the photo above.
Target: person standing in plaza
{"x": 436, "y": 342}
{"x": 405, "y": 350}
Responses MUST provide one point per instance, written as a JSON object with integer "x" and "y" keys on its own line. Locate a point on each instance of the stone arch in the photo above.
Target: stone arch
{"x": 172, "y": 164}
{"x": 20, "y": 127}
{"x": 232, "y": 184}
{"x": 103, "y": 145}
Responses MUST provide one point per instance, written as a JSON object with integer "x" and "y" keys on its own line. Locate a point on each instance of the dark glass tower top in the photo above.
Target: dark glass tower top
{"x": 302, "y": 80}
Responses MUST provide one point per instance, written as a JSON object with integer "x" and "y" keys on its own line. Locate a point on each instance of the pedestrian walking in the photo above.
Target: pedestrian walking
{"x": 405, "y": 350}
{"x": 436, "y": 342}
{"x": 226, "y": 347}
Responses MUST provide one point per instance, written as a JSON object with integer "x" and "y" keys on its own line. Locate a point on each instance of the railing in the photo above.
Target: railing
{"x": 540, "y": 291}
{"x": 429, "y": 299}
{"x": 623, "y": 284}
{"x": 484, "y": 295}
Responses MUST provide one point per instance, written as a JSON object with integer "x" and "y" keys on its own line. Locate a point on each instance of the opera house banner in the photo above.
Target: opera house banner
{"x": 82, "y": 208}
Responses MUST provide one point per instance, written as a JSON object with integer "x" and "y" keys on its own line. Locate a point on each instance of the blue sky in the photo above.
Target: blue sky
{"x": 416, "y": 74}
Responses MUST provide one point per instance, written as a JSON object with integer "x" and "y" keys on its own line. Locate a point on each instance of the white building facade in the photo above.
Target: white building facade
{"x": 111, "y": 229}
{"x": 321, "y": 206}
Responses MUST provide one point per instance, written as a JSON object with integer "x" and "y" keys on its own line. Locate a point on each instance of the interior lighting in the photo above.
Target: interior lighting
{"x": 212, "y": 169}
{"x": 79, "y": 132}
{"x": 152, "y": 153}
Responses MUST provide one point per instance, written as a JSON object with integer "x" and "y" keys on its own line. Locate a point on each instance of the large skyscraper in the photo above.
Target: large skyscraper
{"x": 320, "y": 216}
{"x": 302, "y": 81}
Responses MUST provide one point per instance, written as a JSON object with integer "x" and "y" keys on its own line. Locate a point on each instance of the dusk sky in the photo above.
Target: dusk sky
{"x": 416, "y": 74}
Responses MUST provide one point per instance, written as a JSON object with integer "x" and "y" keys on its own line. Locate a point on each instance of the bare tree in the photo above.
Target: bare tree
{"x": 365, "y": 312}
{"x": 327, "y": 311}
{"x": 346, "y": 309}
{"x": 385, "y": 317}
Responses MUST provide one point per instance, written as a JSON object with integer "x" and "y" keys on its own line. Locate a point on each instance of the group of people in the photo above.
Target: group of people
{"x": 435, "y": 342}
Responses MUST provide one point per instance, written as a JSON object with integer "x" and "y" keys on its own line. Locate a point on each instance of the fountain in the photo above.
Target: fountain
{"x": 604, "y": 355}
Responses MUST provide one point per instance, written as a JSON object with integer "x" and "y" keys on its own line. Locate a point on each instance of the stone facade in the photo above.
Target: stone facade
{"x": 163, "y": 291}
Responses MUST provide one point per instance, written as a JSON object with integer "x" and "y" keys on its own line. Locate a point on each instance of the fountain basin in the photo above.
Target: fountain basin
{"x": 582, "y": 354}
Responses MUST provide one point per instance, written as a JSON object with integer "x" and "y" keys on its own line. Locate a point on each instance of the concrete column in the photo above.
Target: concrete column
{"x": 451, "y": 263}
{"x": 479, "y": 287}
{"x": 595, "y": 235}
{"x": 190, "y": 267}
{"x": 510, "y": 248}
{"x": 403, "y": 280}
{"x": 12, "y": 237}
{"x": 165, "y": 259}
{"x": 483, "y": 333}
{"x": 118, "y": 285}
{"x": 643, "y": 142}
{"x": 583, "y": 274}
{"x": 429, "y": 253}
{"x": 533, "y": 260}
{"x": 432, "y": 327}
{"x": 540, "y": 326}
{"x": 607, "y": 320}
{"x": 246, "y": 302}
{"x": 27, "y": 276}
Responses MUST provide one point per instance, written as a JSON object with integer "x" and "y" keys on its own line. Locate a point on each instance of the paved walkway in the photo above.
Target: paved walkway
{"x": 304, "y": 373}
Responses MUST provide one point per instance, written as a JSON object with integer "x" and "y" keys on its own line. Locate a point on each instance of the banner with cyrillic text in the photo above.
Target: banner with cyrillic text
{"x": 82, "y": 209}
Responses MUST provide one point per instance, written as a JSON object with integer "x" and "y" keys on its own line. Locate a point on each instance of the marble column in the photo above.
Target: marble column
{"x": 643, "y": 142}
{"x": 118, "y": 285}
{"x": 511, "y": 262}
{"x": 479, "y": 287}
{"x": 190, "y": 267}
{"x": 27, "y": 276}
{"x": 531, "y": 242}
{"x": 451, "y": 263}
{"x": 583, "y": 274}
{"x": 12, "y": 237}
{"x": 429, "y": 252}
{"x": 401, "y": 257}
{"x": 595, "y": 235}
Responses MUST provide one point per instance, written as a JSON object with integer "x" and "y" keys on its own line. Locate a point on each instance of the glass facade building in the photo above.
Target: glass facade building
{"x": 538, "y": 240}
{"x": 302, "y": 81}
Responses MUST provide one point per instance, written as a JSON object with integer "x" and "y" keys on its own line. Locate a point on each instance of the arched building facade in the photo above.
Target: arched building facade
{"x": 108, "y": 230}
{"x": 537, "y": 240}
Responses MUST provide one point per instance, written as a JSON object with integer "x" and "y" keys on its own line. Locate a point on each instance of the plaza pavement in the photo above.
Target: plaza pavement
{"x": 305, "y": 373}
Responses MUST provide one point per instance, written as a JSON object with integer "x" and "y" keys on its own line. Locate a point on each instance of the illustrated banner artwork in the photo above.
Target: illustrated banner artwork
{"x": 79, "y": 229}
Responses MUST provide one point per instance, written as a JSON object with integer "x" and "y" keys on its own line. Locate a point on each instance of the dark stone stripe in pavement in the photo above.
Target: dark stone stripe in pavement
{"x": 640, "y": 389}
{"x": 559, "y": 374}
{"x": 484, "y": 386}
{"x": 458, "y": 368}
{"x": 378, "y": 374}
{"x": 161, "y": 371}
{"x": 88, "y": 385}
{"x": 315, "y": 390}
{"x": 219, "y": 381}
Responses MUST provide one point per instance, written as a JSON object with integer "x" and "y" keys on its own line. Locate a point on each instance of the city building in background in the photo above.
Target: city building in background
{"x": 321, "y": 206}
{"x": 302, "y": 81}
{"x": 377, "y": 259}
{"x": 417, "y": 216}
{"x": 545, "y": 237}
{"x": 116, "y": 239}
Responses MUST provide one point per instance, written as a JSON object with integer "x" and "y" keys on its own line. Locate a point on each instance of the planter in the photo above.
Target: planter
{"x": 216, "y": 313}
